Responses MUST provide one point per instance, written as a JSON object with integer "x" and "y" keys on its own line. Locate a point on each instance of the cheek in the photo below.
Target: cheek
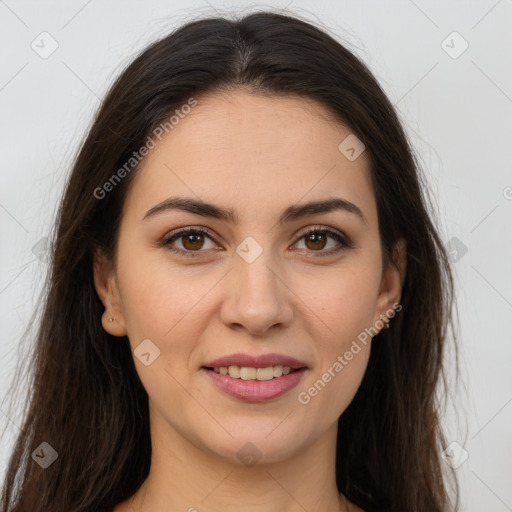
{"x": 346, "y": 301}
{"x": 342, "y": 361}
{"x": 345, "y": 306}
{"x": 155, "y": 295}
{"x": 170, "y": 307}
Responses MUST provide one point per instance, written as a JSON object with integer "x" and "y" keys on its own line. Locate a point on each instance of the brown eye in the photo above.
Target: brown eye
{"x": 192, "y": 241}
{"x": 316, "y": 240}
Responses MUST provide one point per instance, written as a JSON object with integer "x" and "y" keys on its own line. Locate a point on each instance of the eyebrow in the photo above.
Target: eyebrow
{"x": 290, "y": 214}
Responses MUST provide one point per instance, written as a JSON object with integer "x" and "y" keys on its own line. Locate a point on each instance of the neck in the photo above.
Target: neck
{"x": 184, "y": 476}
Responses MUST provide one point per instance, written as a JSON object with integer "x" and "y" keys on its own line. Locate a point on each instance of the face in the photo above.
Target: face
{"x": 257, "y": 282}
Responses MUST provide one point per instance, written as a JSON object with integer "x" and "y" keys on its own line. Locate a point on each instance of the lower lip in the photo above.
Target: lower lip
{"x": 256, "y": 390}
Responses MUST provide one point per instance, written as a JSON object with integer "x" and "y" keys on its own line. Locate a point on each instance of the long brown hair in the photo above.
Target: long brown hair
{"x": 86, "y": 400}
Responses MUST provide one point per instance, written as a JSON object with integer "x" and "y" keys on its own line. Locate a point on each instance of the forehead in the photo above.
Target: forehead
{"x": 252, "y": 152}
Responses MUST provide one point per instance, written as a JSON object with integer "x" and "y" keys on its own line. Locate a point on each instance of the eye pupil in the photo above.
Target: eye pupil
{"x": 316, "y": 238}
{"x": 197, "y": 237}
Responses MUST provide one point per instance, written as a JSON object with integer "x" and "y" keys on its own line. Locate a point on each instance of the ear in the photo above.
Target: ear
{"x": 392, "y": 281}
{"x": 105, "y": 282}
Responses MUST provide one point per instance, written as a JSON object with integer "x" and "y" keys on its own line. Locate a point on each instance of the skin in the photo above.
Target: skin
{"x": 258, "y": 155}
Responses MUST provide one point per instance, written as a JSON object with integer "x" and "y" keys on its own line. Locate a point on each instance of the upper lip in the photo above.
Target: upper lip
{"x": 261, "y": 361}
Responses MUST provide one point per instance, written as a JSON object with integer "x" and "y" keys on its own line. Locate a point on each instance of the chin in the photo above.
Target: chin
{"x": 254, "y": 445}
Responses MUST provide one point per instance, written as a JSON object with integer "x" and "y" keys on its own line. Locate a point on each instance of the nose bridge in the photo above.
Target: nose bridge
{"x": 256, "y": 297}
{"x": 258, "y": 277}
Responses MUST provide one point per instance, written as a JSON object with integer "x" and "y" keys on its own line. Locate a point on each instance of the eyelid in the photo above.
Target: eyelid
{"x": 185, "y": 230}
{"x": 321, "y": 228}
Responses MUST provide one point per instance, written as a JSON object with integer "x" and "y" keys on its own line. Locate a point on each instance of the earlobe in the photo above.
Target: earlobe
{"x": 106, "y": 287}
{"x": 112, "y": 325}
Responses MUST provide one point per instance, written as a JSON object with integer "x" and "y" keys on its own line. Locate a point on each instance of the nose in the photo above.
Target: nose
{"x": 257, "y": 298}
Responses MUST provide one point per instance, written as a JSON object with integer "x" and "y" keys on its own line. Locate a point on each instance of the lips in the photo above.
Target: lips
{"x": 261, "y": 361}
{"x": 255, "y": 378}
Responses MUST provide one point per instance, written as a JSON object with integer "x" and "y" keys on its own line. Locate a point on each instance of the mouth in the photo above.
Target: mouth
{"x": 251, "y": 384}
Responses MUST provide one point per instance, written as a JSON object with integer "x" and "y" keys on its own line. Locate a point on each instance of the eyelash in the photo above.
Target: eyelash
{"x": 343, "y": 240}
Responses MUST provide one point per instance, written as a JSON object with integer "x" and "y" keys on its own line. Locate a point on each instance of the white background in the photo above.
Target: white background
{"x": 457, "y": 112}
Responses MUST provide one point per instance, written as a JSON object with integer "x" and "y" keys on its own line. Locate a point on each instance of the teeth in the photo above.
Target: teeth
{"x": 234, "y": 371}
{"x": 249, "y": 373}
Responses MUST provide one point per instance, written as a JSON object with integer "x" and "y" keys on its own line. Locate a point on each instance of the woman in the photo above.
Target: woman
{"x": 248, "y": 299}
